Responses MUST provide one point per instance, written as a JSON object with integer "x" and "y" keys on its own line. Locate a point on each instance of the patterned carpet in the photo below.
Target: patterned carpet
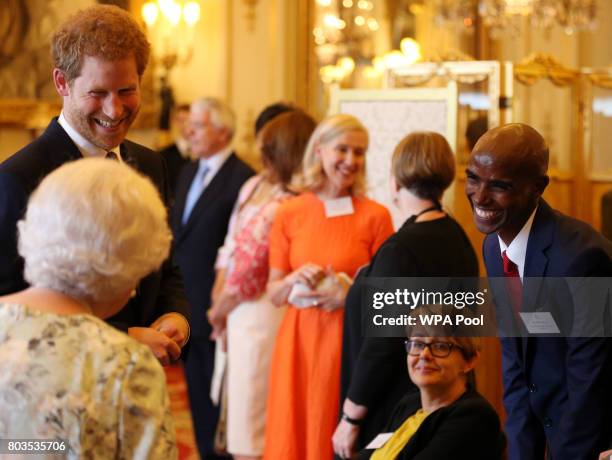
{"x": 179, "y": 403}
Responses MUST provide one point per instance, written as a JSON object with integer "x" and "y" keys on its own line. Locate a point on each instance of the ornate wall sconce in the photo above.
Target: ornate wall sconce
{"x": 170, "y": 28}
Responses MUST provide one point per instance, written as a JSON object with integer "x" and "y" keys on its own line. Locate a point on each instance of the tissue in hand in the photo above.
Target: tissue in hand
{"x": 297, "y": 297}
{"x": 299, "y": 300}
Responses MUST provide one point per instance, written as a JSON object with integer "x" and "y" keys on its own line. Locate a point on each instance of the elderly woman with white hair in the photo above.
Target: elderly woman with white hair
{"x": 92, "y": 230}
{"x": 318, "y": 241}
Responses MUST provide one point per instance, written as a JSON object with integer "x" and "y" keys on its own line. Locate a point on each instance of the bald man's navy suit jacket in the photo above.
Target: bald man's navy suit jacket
{"x": 557, "y": 391}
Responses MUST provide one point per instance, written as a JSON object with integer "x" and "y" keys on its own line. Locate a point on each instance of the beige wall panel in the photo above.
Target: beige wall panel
{"x": 263, "y": 57}
{"x": 561, "y": 195}
{"x": 595, "y": 49}
{"x": 597, "y": 190}
{"x": 251, "y": 70}
{"x": 489, "y": 375}
{"x": 435, "y": 40}
{"x": 12, "y": 140}
{"x": 206, "y": 73}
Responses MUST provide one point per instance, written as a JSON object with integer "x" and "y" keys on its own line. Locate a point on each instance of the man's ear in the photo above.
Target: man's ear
{"x": 61, "y": 82}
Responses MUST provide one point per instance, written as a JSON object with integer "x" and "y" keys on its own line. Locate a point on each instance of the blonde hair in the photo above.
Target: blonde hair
{"x": 424, "y": 163}
{"x": 103, "y": 31}
{"x": 92, "y": 230}
{"x": 313, "y": 176}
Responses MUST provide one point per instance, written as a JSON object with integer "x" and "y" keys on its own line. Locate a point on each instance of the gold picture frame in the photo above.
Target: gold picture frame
{"x": 27, "y": 97}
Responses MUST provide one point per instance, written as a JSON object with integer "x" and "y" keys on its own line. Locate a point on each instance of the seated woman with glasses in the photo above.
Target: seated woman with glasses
{"x": 446, "y": 418}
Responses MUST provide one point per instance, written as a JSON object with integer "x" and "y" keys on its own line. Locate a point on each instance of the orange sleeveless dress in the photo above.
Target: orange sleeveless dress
{"x": 303, "y": 397}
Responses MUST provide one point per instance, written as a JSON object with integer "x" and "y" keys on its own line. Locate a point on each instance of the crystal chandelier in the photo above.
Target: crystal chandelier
{"x": 344, "y": 27}
{"x": 343, "y": 35}
{"x": 572, "y": 15}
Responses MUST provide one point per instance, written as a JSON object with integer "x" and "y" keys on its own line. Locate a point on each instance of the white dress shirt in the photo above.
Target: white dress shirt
{"x": 517, "y": 249}
{"x": 86, "y": 148}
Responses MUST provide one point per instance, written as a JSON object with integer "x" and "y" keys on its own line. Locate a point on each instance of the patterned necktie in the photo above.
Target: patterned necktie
{"x": 111, "y": 156}
{"x": 513, "y": 281}
{"x": 195, "y": 190}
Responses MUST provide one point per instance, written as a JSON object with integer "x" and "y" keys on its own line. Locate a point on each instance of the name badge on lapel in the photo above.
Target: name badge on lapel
{"x": 539, "y": 322}
{"x": 379, "y": 441}
{"x": 339, "y": 207}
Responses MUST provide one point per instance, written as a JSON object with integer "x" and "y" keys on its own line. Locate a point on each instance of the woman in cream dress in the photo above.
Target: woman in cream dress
{"x": 240, "y": 309}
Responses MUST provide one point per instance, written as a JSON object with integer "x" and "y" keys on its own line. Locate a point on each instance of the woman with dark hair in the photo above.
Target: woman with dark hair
{"x": 446, "y": 417}
{"x": 239, "y": 301}
{"x": 430, "y": 243}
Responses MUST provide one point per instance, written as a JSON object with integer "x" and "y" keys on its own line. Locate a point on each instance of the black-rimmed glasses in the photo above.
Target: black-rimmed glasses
{"x": 437, "y": 349}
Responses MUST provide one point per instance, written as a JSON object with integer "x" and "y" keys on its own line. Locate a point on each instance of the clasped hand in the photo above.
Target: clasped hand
{"x": 605, "y": 455}
{"x": 328, "y": 295}
{"x": 165, "y": 337}
{"x": 217, "y": 317}
{"x": 345, "y": 439}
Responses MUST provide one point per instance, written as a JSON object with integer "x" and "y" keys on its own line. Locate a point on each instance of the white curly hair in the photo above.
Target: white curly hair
{"x": 93, "y": 228}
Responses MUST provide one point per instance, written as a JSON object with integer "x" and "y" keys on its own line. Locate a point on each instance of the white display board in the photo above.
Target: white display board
{"x": 390, "y": 115}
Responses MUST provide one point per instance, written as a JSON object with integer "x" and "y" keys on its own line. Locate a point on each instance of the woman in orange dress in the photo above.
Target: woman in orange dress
{"x": 318, "y": 241}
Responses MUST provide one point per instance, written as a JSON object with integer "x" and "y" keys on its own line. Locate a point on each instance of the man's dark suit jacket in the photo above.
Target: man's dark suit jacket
{"x": 196, "y": 243}
{"x": 556, "y": 390}
{"x": 159, "y": 293}
{"x": 195, "y": 250}
{"x": 175, "y": 162}
{"x": 469, "y": 428}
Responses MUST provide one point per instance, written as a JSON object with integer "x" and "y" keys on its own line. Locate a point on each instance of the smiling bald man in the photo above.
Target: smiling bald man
{"x": 557, "y": 390}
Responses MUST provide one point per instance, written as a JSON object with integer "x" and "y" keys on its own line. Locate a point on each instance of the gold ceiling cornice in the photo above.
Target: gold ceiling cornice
{"x": 539, "y": 65}
{"x": 602, "y": 78}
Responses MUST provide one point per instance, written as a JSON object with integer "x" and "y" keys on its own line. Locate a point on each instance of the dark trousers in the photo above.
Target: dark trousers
{"x": 199, "y": 368}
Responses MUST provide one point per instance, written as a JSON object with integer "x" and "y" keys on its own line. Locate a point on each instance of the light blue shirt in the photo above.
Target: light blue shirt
{"x": 207, "y": 169}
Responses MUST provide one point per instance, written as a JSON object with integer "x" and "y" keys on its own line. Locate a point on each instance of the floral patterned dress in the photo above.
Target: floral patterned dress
{"x": 252, "y": 325}
{"x": 75, "y": 378}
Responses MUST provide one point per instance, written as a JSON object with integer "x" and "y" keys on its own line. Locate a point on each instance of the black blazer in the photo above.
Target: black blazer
{"x": 556, "y": 389}
{"x": 469, "y": 428}
{"x": 374, "y": 369}
{"x": 159, "y": 293}
{"x": 174, "y": 162}
{"x": 196, "y": 243}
